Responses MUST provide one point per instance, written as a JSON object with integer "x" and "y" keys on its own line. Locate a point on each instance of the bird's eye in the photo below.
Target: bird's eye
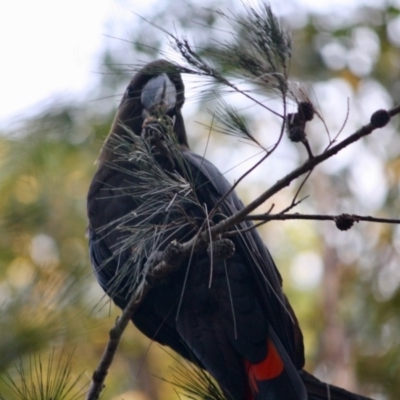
{"x": 130, "y": 92}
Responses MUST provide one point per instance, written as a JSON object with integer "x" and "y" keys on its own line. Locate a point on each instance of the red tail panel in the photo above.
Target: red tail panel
{"x": 269, "y": 368}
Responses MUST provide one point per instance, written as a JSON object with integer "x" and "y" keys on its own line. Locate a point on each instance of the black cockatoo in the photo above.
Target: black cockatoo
{"x": 227, "y": 315}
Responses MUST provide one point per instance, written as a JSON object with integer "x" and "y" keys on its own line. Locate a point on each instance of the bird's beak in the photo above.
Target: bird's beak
{"x": 158, "y": 95}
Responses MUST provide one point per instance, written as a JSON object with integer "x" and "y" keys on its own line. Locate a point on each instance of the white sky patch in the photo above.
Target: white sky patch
{"x": 306, "y": 271}
{"x": 368, "y": 180}
{"x": 388, "y": 280}
{"x": 318, "y": 5}
{"x": 48, "y": 49}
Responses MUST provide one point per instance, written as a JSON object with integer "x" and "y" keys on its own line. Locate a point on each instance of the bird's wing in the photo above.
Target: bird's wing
{"x": 264, "y": 321}
{"x": 265, "y": 275}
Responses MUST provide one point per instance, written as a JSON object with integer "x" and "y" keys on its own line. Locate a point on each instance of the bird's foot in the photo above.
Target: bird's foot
{"x": 163, "y": 263}
{"x": 154, "y": 132}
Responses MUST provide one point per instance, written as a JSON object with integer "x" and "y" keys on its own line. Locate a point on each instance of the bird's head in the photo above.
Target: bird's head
{"x": 155, "y": 90}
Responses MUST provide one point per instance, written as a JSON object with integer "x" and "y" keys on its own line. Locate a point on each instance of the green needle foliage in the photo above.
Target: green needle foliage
{"x": 193, "y": 382}
{"x": 40, "y": 382}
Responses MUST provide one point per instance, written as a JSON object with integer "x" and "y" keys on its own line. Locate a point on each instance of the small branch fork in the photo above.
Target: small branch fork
{"x": 379, "y": 119}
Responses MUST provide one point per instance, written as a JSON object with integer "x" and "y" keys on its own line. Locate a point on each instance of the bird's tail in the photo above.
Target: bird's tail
{"x": 318, "y": 390}
{"x": 274, "y": 378}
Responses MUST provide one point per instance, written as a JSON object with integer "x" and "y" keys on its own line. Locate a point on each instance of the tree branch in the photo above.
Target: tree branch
{"x": 115, "y": 335}
{"x": 317, "y": 217}
{"x": 289, "y": 178}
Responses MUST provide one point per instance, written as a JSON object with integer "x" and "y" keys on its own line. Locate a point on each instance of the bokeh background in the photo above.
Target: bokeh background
{"x": 64, "y": 68}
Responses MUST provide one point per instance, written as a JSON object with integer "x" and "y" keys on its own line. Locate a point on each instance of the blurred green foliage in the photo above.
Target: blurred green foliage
{"x": 349, "y": 315}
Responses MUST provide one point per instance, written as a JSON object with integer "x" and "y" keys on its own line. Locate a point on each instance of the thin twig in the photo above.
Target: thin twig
{"x": 267, "y": 154}
{"x": 294, "y": 201}
{"x": 308, "y": 148}
{"x": 343, "y": 125}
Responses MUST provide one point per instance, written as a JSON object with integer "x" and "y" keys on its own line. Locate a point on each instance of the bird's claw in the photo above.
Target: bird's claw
{"x": 162, "y": 263}
{"x": 154, "y": 134}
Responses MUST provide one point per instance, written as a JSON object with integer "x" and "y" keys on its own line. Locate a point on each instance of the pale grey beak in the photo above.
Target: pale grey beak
{"x": 159, "y": 95}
